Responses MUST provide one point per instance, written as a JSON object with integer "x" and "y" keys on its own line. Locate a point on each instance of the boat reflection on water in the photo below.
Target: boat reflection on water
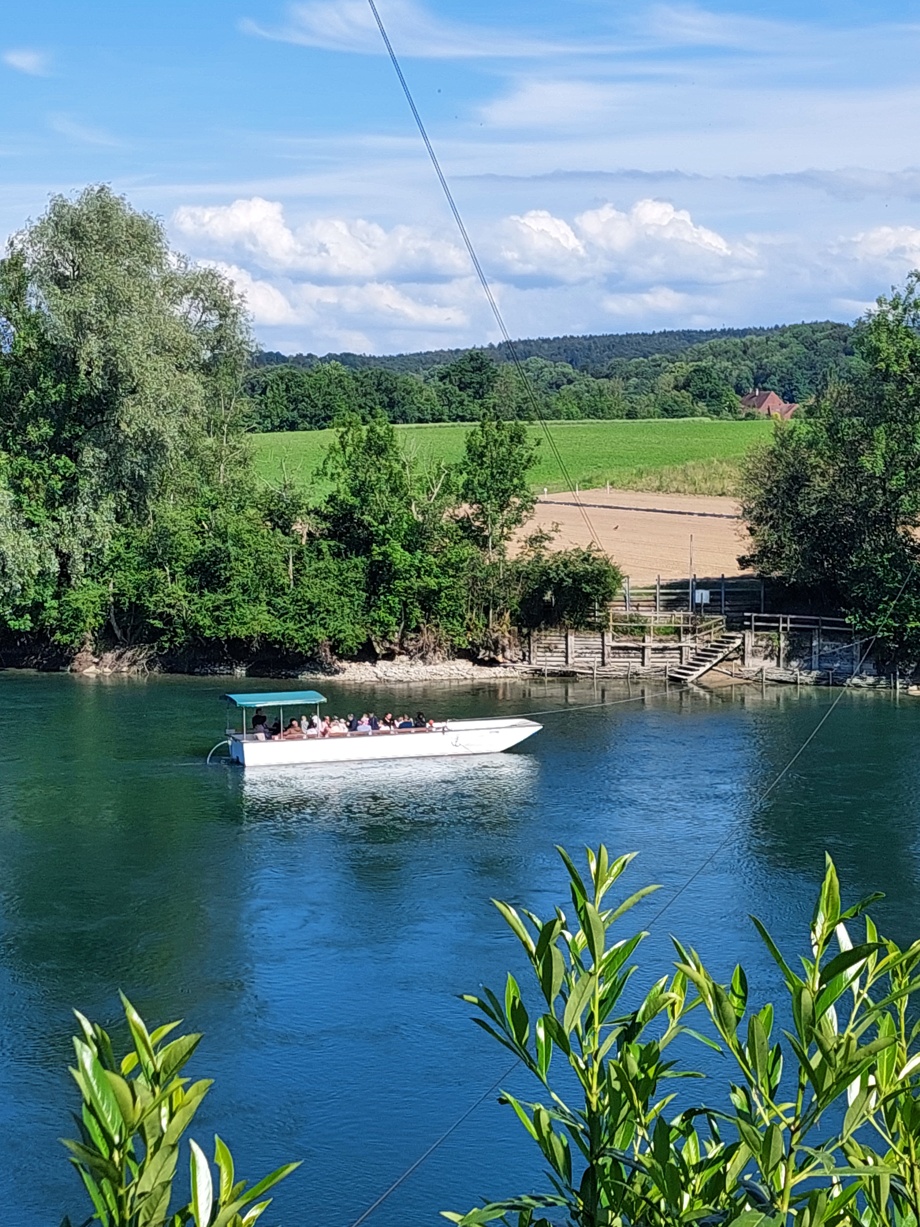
{"x": 482, "y": 789}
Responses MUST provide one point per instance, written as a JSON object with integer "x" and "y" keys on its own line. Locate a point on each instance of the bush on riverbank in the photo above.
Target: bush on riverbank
{"x": 818, "y": 1125}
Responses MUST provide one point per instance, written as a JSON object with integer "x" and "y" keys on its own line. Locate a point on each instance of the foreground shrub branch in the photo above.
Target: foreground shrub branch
{"x": 819, "y": 1123}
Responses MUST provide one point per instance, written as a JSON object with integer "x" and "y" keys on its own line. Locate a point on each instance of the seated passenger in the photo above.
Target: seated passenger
{"x": 389, "y": 721}
{"x": 259, "y": 718}
{"x": 373, "y": 722}
{"x": 351, "y": 721}
{"x": 420, "y": 721}
{"x": 260, "y": 727}
{"x": 405, "y": 723}
{"x": 293, "y": 731}
{"x": 364, "y": 725}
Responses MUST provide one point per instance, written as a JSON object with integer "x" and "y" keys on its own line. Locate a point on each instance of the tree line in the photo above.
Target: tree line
{"x": 591, "y": 353}
{"x": 705, "y": 378}
{"x": 130, "y": 513}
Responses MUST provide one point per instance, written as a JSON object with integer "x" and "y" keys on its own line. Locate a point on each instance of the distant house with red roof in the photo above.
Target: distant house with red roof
{"x": 769, "y": 404}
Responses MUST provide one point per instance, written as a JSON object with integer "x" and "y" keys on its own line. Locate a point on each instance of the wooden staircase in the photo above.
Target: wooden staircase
{"x": 705, "y": 657}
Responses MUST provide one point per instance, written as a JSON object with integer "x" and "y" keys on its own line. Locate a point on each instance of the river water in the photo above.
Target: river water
{"x": 319, "y": 927}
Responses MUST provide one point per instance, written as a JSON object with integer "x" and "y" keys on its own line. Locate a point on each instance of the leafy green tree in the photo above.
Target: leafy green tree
{"x": 473, "y": 374}
{"x": 123, "y": 381}
{"x": 494, "y": 482}
{"x": 390, "y": 508}
{"x": 833, "y": 503}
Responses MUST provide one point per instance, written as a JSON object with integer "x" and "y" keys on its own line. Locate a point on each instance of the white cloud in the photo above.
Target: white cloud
{"x": 83, "y": 134}
{"x": 648, "y": 220}
{"x": 329, "y": 248}
{"x": 338, "y": 282}
{"x": 539, "y": 244}
{"x": 900, "y": 244}
{"x": 653, "y": 240}
{"x": 27, "y": 60}
{"x": 330, "y": 309}
{"x": 349, "y": 25}
{"x": 267, "y": 305}
{"x": 659, "y": 302}
{"x": 561, "y": 104}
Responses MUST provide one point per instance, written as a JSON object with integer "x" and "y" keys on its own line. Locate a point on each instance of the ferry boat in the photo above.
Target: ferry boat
{"x": 439, "y": 739}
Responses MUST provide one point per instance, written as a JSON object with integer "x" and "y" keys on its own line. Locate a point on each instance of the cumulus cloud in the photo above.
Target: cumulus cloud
{"x": 349, "y": 25}
{"x": 24, "y": 59}
{"x": 900, "y": 244}
{"x": 328, "y": 248}
{"x": 329, "y": 282}
{"x": 266, "y": 303}
{"x": 537, "y": 244}
{"x": 651, "y": 241}
{"x": 307, "y": 303}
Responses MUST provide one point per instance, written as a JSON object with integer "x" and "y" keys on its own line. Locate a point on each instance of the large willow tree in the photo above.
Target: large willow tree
{"x": 120, "y": 391}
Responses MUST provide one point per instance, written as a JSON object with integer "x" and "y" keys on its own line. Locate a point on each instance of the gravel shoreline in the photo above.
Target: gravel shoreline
{"x": 410, "y": 673}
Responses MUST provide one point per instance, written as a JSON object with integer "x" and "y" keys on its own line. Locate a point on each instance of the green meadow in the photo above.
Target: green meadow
{"x": 681, "y": 456}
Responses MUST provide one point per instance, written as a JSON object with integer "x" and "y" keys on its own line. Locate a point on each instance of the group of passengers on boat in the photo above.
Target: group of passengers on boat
{"x": 337, "y": 726}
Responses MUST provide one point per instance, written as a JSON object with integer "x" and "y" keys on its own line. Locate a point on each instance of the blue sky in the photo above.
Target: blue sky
{"x": 620, "y": 167}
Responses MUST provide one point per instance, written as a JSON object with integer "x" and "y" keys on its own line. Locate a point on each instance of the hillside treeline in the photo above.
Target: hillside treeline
{"x": 130, "y": 514}
{"x": 591, "y": 353}
{"x": 705, "y": 378}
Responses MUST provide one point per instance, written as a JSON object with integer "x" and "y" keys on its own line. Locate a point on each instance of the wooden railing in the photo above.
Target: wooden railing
{"x": 773, "y": 623}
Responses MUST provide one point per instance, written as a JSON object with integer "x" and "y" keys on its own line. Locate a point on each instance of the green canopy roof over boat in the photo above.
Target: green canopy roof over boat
{"x": 277, "y": 698}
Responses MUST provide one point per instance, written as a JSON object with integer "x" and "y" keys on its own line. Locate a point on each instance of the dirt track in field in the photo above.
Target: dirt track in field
{"x": 650, "y": 534}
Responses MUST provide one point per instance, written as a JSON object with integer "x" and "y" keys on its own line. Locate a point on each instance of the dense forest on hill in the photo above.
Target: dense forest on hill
{"x": 649, "y": 375}
{"x": 589, "y": 353}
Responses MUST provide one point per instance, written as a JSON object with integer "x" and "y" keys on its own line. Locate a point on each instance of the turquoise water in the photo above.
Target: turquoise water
{"x": 318, "y": 927}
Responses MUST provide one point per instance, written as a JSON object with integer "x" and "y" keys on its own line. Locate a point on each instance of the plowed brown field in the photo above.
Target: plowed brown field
{"x": 650, "y": 534}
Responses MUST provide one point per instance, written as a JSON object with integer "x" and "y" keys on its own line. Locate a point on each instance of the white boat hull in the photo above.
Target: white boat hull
{"x": 454, "y": 738}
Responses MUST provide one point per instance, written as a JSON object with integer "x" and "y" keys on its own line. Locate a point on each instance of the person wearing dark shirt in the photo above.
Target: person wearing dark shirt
{"x": 352, "y": 722}
{"x": 420, "y": 721}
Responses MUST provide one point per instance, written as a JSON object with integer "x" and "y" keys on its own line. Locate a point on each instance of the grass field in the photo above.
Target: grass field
{"x": 681, "y": 456}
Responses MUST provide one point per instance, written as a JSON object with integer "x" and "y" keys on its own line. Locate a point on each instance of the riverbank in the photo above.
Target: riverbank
{"x": 394, "y": 672}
